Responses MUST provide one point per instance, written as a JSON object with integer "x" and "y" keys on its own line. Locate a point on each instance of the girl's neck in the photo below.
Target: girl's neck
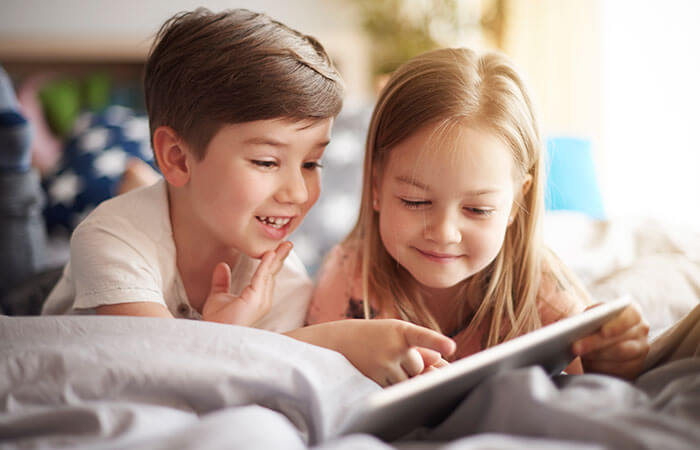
{"x": 444, "y": 304}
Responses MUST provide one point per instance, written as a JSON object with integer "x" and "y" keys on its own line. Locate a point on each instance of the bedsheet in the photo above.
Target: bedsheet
{"x": 655, "y": 263}
{"x": 129, "y": 382}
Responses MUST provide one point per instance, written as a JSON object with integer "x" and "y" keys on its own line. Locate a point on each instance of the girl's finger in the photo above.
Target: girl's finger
{"x": 628, "y": 318}
{"x": 624, "y": 369}
{"x": 598, "y": 341}
{"x": 621, "y": 351}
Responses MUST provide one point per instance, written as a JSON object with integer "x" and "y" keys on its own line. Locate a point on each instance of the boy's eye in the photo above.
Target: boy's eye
{"x": 262, "y": 163}
{"x": 479, "y": 211}
{"x": 414, "y": 204}
{"x": 311, "y": 165}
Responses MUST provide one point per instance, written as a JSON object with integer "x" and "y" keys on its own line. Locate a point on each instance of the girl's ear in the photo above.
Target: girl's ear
{"x": 524, "y": 189}
{"x": 527, "y": 184}
{"x": 172, "y": 156}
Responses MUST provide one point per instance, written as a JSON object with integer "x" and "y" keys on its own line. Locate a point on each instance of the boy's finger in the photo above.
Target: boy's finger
{"x": 220, "y": 279}
{"x": 430, "y": 357}
{"x": 440, "y": 364}
{"x": 281, "y": 254}
{"x": 417, "y": 336}
{"x": 262, "y": 272}
{"x": 412, "y": 362}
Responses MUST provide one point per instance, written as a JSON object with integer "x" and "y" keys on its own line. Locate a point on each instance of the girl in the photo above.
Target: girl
{"x": 448, "y": 234}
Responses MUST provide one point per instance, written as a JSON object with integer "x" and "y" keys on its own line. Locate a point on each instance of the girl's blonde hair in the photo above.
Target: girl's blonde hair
{"x": 452, "y": 87}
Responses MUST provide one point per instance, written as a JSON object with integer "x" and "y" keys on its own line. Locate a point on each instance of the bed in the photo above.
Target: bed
{"x": 117, "y": 382}
{"x": 120, "y": 382}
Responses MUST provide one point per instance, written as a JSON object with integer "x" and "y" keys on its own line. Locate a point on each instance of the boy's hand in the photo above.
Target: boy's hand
{"x": 256, "y": 298}
{"x": 619, "y": 347}
{"x": 386, "y": 350}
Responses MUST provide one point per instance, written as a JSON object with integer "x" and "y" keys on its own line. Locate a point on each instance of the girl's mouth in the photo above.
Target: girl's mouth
{"x": 438, "y": 257}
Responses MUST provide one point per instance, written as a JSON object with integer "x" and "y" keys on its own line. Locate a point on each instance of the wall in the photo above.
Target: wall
{"x": 625, "y": 74}
{"x": 651, "y": 73}
{"x": 122, "y": 30}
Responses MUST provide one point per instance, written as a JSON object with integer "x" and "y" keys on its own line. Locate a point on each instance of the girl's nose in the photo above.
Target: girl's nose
{"x": 442, "y": 228}
{"x": 293, "y": 188}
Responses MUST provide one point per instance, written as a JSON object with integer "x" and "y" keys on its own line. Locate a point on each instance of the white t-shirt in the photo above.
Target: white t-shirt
{"x": 124, "y": 252}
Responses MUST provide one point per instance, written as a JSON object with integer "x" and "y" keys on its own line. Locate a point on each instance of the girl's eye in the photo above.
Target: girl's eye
{"x": 265, "y": 164}
{"x": 480, "y": 211}
{"x": 311, "y": 165}
{"x": 414, "y": 204}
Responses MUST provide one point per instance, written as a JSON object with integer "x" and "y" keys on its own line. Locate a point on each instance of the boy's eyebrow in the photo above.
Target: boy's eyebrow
{"x": 263, "y": 140}
{"x": 409, "y": 180}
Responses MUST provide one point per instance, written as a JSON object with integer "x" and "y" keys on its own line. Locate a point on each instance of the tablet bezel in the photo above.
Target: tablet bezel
{"x": 427, "y": 399}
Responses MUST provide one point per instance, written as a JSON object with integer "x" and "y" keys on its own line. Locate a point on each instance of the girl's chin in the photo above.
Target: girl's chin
{"x": 440, "y": 283}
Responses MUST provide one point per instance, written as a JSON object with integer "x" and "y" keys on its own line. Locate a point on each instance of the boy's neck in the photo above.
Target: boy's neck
{"x": 197, "y": 250}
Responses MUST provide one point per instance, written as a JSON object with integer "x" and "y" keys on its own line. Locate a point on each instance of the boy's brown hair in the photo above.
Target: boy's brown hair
{"x": 207, "y": 69}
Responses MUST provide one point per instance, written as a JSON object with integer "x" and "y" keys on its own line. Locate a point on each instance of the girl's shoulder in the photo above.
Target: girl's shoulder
{"x": 345, "y": 259}
{"x": 338, "y": 292}
{"x": 559, "y": 295}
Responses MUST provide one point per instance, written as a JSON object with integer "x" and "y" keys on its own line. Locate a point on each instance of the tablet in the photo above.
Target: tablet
{"x": 428, "y": 399}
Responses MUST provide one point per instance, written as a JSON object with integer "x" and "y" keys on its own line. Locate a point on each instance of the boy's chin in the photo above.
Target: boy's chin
{"x": 259, "y": 251}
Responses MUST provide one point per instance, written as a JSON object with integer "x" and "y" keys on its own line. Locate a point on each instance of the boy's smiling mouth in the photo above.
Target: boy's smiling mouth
{"x": 274, "y": 222}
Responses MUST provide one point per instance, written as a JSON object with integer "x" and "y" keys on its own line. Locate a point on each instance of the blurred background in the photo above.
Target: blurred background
{"x": 616, "y": 84}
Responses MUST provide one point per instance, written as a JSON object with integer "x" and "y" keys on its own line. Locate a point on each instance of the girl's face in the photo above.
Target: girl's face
{"x": 443, "y": 214}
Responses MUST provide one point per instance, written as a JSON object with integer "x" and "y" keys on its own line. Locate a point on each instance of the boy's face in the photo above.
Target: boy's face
{"x": 257, "y": 182}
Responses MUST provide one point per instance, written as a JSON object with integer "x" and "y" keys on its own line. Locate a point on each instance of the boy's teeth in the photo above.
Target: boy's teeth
{"x": 275, "y": 222}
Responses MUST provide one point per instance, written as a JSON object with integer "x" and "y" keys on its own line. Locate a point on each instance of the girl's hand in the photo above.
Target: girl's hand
{"x": 255, "y": 300}
{"x": 619, "y": 347}
{"x": 386, "y": 350}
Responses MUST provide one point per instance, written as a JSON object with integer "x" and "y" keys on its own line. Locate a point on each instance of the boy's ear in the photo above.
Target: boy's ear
{"x": 172, "y": 156}
{"x": 375, "y": 191}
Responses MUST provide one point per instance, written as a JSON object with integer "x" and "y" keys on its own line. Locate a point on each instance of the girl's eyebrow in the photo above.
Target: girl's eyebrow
{"x": 410, "y": 180}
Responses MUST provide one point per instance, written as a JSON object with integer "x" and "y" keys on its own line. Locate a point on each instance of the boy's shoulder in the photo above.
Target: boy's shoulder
{"x": 140, "y": 210}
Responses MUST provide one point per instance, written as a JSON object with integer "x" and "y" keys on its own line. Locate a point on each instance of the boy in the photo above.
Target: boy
{"x": 240, "y": 110}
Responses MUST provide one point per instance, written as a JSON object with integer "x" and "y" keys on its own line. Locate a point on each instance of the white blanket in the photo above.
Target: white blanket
{"x": 127, "y": 382}
{"x": 121, "y": 381}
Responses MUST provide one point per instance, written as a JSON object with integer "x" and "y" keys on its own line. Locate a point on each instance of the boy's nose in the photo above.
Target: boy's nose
{"x": 442, "y": 228}
{"x": 293, "y": 189}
